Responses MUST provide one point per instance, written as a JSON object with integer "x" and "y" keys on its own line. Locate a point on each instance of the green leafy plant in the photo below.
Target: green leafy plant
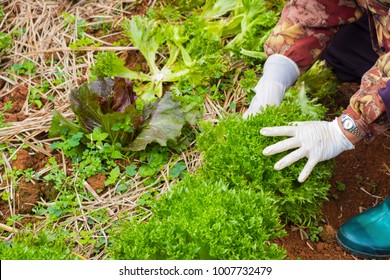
{"x": 101, "y": 23}
{"x": 232, "y": 153}
{"x": 184, "y": 5}
{"x": 69, "y": 146}
{"x": 235, "y": 203}
{"x": 178, "y": 170}
{"x": 217, "y": 8}
{"x": 72, "y": 20}
{"x": 113, "y": 176}
{"x": 148, "y": 36}
{"x": 27, "y": 175}
{"x": 27, "y": 67}
{"x": 203, "y": 220}
{"x": 319, "y": 80}
{"x": 111, "y": 106}
{"x": 7, "y": 106}
{"x": 44, "y": 245}
{"x": 340, "y": 187}
{"x": 2, "y": 13}
{"x": 35, "y": 94}
{"x": 84, "y": 42}
{"x": 5, "y": 41}
{"x": 14, "y": 219}
{"x": 314, "y": 232}
{"x": 191, "y": 54}
{"x": 248, "y": 22}
{"x": 153, "y": 161}
{"x": 5, "y": 38}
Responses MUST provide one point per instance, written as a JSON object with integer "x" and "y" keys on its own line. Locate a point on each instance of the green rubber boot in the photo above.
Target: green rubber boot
{"x": 367, "y": 235}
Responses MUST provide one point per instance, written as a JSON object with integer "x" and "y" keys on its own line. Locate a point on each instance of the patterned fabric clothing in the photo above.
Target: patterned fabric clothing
{"x": 306, "y": 28}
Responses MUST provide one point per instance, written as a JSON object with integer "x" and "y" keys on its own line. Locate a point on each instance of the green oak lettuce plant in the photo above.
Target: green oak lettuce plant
{"x": 148, "y": 36}
{"x": 319, "y": 71}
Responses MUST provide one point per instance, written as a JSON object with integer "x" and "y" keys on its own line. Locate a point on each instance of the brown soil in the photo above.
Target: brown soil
{"x": 363, "y": 172}
{"x": 97, "y": 182}
{"x": 17, "y": 98}
{"x": 29, "y": 191}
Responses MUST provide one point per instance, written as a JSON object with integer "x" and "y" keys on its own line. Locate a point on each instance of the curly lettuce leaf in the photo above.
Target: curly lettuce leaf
{"x": 146, "y": 35}
{"x": 319, "y": 71}
{"x": 108, "y": 64}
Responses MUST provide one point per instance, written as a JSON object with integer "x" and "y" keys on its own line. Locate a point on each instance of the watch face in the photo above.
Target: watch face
{"x": 348, "y": 124}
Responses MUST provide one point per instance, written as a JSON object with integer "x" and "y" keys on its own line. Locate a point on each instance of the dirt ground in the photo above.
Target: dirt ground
{"x": 365, "y": 173}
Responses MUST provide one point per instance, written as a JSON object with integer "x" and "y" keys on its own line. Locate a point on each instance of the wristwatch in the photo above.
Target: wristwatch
{"x": 350, "y": 125}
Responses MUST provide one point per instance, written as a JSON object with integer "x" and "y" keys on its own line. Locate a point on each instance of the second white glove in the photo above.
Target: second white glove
{"x": 315, "y": 140}
{"x": 279, "y": 73}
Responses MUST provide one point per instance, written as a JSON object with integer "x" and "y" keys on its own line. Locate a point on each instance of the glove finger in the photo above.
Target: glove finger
{"x": 278, "y": 131}
{"x": 307, "y": 169}
{"x": 290, "y": 158}
{"x": 301, "y": 123}
{"x": 251, "y": 112}
{"x": 282, "y": 146}
{"x": 247, "y": 114}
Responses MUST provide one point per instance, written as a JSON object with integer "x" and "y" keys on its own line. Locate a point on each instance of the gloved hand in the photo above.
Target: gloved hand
{"x": 279, "y": 73}
{"x": 316, "y": 140}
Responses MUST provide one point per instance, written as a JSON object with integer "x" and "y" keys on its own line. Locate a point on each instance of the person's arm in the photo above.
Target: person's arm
{"x": 304, "y": 30}
{"x": 353, "y": 138}
{"x": 316, "y": 140}
{"x": 367, "y": 116}
{"x": 368, "y": 106}
{"x": 279, "y": 73}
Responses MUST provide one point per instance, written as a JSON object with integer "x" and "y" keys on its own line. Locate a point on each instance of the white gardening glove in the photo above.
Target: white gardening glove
{"x": 316, "y": 140}
{"x": 279, "y": 73}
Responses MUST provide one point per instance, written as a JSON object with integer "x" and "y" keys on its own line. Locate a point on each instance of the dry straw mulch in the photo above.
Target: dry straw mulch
{"x": 44, "y": 40}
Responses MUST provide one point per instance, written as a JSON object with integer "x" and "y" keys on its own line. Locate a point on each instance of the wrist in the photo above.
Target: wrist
{"x": 353, "y": 137}
{"x": 280, "y": 69}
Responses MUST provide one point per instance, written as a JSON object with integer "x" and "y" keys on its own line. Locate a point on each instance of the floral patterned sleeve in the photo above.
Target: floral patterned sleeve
{"x": 306, "y": 28}
{"x": 369, "y": 104}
